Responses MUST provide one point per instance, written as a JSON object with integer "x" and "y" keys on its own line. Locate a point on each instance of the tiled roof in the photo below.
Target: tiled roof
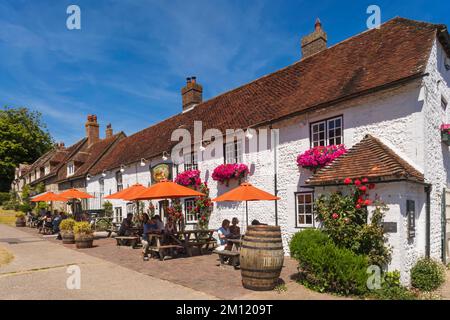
{"x": 370, "y": 61}
{"x": 369, "y": 158}
{"x": 89, "y": 156}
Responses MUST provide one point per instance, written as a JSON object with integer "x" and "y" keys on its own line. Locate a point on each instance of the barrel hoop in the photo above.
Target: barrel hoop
{"x": 261, "y": 248}
{"x": 262, "y": 271}
{"x": 255, "y": 288}
{"x": 263, "y": 240}
{"x": 263, "y": 228}
{"x": 276, "y": 236}
{"x": 261, "y": 277}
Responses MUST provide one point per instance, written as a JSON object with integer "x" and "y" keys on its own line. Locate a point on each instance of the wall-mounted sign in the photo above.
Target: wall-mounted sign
{"x": 411, "y": 212}
{"x": 390, "y": 227}
{"x": 160, "y": 172}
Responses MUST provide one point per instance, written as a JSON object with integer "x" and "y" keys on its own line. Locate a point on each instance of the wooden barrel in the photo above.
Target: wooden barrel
{"x": 261, "y": 258}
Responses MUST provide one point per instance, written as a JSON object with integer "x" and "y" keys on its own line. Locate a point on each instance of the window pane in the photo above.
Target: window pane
{"x": 301, "y": 209}
{"x": 308, "y": 208}
{"x": 308, "y": 198}
{"x": 301, "y": 219}
{"x": 308, "y": 219}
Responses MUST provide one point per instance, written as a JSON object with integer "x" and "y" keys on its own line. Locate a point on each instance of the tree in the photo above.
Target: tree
{"x": 23, "y": 139}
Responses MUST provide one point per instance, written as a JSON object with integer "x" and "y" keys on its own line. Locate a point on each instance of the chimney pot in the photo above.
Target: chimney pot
{"x": 191, "y": 94}
{"x": 109, "y": 130}
{"x": 92, "y": 129}
{"x": 315, "y": 41}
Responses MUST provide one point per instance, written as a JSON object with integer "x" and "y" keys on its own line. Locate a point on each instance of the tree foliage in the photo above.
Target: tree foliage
{"x": 23, "y": 139}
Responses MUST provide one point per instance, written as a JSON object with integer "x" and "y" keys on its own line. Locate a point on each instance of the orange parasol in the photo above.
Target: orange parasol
{"x": 128, "y": 193}
{"x": 49, "y": 196}
{"x": 165, "y": 190}
{"x": 75, "y": 194}
{"x": 246, "y": 192}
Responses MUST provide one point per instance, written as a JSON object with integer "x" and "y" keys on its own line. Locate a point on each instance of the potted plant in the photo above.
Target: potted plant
{"x": 20, "y": 219}
{"x": 84, "y": 236}
{"x": 225, "y": 172}
{"x": 66, "y": 227}
{"x": 189, "y": 178}
{"x": 320, "y": 156}
{"x": 445, "y": 133}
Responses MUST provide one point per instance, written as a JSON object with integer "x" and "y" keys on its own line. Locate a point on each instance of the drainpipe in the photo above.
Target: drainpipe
{"x": 274, "y": 144}
{"x": 427, "y": 221}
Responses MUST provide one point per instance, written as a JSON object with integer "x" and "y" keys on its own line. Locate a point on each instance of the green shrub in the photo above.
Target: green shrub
{"x": 325, "y": 267}
{"x": 20, "y": 215}
{"x": 427, "y": 275}
{"x": 25, "y": 207}
{"x": 67, "y": 225}
{"x": 82, "y": 228}
{"x": 391, "y": 288}
{"x": 103, "y": 224}
{"x": 4, "y": 197}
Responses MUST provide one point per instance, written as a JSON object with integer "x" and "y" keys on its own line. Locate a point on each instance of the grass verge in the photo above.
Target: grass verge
{"x": 5, "y": 256}
{"x": 7, "y": 216}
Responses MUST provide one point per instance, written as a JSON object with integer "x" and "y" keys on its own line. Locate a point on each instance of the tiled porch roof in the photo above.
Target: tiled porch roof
{"x": 368, "y": 158}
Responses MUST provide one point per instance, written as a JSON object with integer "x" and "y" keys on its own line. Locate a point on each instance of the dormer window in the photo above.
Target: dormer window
{"x": 70, "y": 169}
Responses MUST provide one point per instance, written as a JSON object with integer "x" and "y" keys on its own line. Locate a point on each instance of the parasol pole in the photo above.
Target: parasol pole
{"x": 246, "y": 213}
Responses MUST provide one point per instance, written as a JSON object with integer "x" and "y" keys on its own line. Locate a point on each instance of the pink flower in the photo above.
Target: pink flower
{"x": 365, "y": 180}
{"x": 226, "y": 172}
{"x": 357, "y": 182}
{"x": 363, "y": 188}
{"x": 348, "y": 181}
{"x": 358, "y": 206}
{"x": 335, "y": 216}
{"x": 367, "y": 202}
{"x": 189, "y": 178}
{"x": 320, "y": 156}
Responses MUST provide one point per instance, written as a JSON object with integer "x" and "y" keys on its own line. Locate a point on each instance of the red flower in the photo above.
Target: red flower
{"x": 372, "y": 186}
{"x": 358, "y": 206}
{"x": 360, "y": 200}
{"x": 357, "y": 182}
{"x": 348, "y": 181}
{"x": 365, "y": 180}
{"x": 367, "y": 202}
{"x": 363, "y": 188}
{"x": 335, "y": 216}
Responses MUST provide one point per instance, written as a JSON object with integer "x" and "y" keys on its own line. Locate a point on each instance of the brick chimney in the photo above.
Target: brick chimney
{"x": 314, "y": 42}
{"x": 191, "y": 93}
{"x": 92, "y": 130}
{"x": 108, "y": 131}
{"x": 59, "y": 145}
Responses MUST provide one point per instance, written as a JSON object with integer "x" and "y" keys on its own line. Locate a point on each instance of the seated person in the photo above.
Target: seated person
{"x": 149, "y": 226}
{"x": 125, "y": 227}
{"x": 224, "y": 233}
{"x": 170, "y": 227}
{"x": 55, "y": 223}
{"x": 234, "y": 228}
{"x": 159, "y": 223}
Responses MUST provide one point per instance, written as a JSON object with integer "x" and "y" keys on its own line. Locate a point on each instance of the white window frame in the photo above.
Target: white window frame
{"x": 47, "y": 169}
{"x": 101, "y": 185}
{"x": 326, "y": 128}
{"x": 301, "y": 209}
{"x": 191, "y": 161}
{"x": 189, "y": 217}
{"x": 118, "y": 216}
{"x": 70, "y": 168}
{"x": 119, "y": 185}
{"x": 234, "y": 152}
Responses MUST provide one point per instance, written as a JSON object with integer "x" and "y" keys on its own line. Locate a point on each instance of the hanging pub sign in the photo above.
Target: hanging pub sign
{"x": 160, "y": 172}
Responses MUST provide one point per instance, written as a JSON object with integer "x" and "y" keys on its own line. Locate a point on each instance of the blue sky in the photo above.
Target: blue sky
{"x": 130, "y": 58}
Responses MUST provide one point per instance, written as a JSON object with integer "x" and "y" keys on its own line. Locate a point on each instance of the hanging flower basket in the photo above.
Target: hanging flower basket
{"x": 445, "y": 134}
{"x": 189, "y": 178}
{"x": 320, "y": 156}
{"x": 226, "y": 172}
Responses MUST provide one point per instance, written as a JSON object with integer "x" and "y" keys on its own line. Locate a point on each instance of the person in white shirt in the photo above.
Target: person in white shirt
{"x": 223, "y": 234}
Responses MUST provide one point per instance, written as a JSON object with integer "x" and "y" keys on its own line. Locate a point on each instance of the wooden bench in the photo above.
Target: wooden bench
{"x": 127, "y": 241}
{"x": 233, "y": 257}
{"x": 163, "y": 249}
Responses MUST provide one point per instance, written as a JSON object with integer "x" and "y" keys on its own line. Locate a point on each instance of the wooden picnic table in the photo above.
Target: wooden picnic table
{"x": 236, "y": 244}
{"x": 156, "y": 246}
{"x": 194, "y": 238}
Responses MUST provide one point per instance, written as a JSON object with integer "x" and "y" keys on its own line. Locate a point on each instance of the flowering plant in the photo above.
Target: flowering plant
{"x": 175, "y": 211}
{"x": 445, "y": 128}
{"x": 344, "y": 218}
{"x": 225, "y": 172}
{"x": 189, "y": 178}
{"x": 320, "y": 156}
{"x": 203, "y": 207}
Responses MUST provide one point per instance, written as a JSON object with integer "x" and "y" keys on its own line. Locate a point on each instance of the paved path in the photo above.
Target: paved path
{"x": 39, "y": 268}
{"x": 445, "y": 289}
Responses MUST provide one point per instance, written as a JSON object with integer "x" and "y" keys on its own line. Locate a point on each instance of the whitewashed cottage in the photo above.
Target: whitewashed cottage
{"x": 383, "y": 93}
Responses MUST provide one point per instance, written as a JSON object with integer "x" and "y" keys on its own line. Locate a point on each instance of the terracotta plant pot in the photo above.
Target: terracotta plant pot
{"x": 20, "y": 222}
{"x": 67, "y": 237}
{"x": 84, "y": 241}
